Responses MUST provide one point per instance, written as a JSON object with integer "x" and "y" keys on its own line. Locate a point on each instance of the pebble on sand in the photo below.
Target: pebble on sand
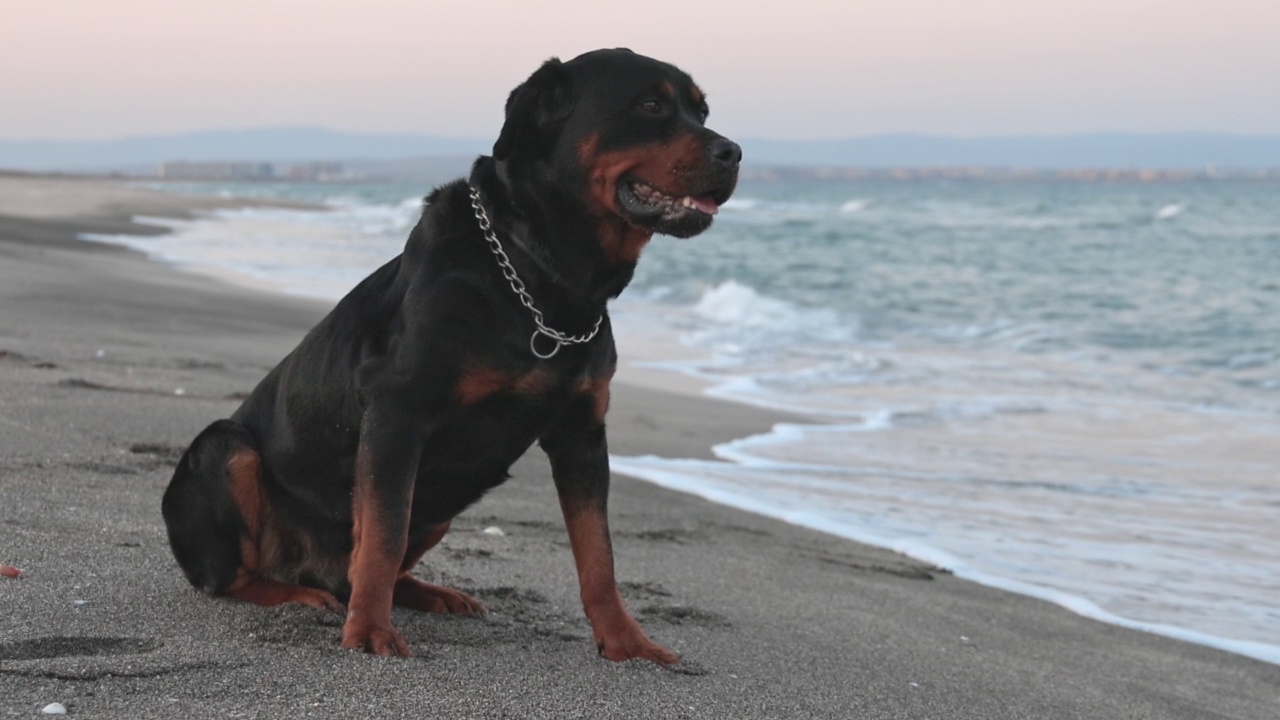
{"x": 54, "y": 709}
{"x": 494, "y": 530}
{"x": 9, "y": 571}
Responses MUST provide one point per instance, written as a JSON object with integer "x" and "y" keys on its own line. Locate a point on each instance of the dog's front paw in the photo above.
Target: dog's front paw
{"x": 377, "y": 640}
{"x": 625, "y": 643}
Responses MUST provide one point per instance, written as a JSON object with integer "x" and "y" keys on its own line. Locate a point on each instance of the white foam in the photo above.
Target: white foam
{"x": 736, "y": 314}
{"x": 855, "y": 205}
{"x": 298, "y": 252}
{"x": 685, "y": 476}
{"x": 734, "y": 303}
{"x": 1168, "y": 212}
{"x": 745, "y": 451}
{"x": 749, "y": 390}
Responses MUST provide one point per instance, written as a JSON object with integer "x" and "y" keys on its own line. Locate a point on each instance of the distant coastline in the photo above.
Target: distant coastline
{"x": 437, "y": 170}
{"x": 322, "y": 154}
{"x": 1005, "y": 174}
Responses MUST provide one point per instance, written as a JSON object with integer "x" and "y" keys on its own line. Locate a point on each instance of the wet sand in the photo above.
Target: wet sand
{"x": 110, "y": 364}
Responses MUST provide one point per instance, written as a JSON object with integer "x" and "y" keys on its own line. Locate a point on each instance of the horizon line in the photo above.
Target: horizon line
{"x": 888, "y": 134}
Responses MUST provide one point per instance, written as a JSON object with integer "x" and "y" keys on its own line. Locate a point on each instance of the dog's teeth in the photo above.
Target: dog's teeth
{"x": 686, "y": 201}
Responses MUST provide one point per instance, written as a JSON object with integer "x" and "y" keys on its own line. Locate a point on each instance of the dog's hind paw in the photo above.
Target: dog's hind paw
{"x": 413, "y": 593}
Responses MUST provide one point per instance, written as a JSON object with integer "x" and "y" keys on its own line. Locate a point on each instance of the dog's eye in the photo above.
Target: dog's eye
{"x": 653, "y": 106}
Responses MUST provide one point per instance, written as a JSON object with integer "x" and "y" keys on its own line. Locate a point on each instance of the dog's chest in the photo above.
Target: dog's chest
{"x": 475, "y": 444}
{"x": 496, "y": 415}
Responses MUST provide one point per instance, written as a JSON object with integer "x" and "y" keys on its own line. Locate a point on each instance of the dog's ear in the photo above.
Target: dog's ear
{"x": 535, "y": 108}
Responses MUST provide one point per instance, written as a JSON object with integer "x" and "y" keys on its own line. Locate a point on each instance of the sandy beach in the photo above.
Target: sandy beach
{"x": 111, "y": 363}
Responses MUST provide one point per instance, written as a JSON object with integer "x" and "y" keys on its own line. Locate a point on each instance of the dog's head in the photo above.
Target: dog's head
{"x": 629, "y": 134}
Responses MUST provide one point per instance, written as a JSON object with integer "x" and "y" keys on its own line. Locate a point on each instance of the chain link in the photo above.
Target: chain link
{"x": 517, "y": 285}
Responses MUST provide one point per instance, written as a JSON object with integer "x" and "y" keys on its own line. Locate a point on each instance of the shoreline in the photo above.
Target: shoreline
{"x": 647, "y": 369}
{"x": 775, "y": 620}
{"x": 640, "y": 376}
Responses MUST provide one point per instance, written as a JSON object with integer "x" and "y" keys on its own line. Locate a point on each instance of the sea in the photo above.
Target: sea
{"x": 1069, "y": 390}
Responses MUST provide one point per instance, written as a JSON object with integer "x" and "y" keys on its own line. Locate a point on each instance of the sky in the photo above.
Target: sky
{"x": 786, "y": 69}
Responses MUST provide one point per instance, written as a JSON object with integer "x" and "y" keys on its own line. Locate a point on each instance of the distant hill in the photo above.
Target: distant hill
{"x": 262, "y": 144}
{"x": 1102, "y": 150}
{"x": 1158, "y": 151}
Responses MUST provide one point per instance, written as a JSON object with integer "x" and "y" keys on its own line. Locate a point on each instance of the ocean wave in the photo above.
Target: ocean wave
{"x": 373, "y": 218}
{"x": 738, "y": 324}
{"x": 733, "y": 303}
{"x": 1005, "y": 334}
{"x": 964, "y": 216}
{"x": 954, "y": 521}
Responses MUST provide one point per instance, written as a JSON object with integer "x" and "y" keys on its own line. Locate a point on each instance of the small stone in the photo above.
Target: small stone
{"x": 180, "y": 391}
{"x": 494, "y": 530}
{"x": 54, "y": 709}
{"x": 9, "y": 571}
{"x": 80, "y": 603}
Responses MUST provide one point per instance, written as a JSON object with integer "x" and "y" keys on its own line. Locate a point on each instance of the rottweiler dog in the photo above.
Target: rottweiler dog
{"x": 489, "y": 333}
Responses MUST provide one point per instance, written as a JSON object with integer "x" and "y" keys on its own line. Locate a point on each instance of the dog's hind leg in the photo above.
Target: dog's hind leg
{"x": 215, "y": 510}
{"x": 413, "y": 593}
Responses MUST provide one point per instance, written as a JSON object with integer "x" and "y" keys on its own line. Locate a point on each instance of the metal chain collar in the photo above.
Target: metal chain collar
{"x": 517, "y": 285}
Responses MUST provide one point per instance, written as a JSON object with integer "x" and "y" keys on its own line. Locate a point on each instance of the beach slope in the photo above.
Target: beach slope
{"x": 110, "y": 364}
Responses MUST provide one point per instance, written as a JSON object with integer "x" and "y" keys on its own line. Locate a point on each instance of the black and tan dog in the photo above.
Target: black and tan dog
{"x": 417, "y": 393}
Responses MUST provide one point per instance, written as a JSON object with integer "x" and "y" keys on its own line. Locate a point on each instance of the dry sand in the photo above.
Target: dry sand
{"x": 110, "y": 364}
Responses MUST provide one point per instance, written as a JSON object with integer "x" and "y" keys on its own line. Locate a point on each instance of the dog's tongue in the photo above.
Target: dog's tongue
{"x": 706, "y": 205}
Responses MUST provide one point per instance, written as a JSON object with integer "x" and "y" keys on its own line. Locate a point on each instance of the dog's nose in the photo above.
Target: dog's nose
{"x": 726, "y": 151}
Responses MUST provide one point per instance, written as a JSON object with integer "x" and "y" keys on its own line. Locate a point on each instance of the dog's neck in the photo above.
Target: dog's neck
{"x": 541, "y": 258}
{"x": 557, "y": 237}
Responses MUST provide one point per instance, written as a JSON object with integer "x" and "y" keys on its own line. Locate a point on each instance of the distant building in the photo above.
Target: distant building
{"x": 186, "y": 170}
{"x": 248, "y": 171}
{"x": 312, "y": 172}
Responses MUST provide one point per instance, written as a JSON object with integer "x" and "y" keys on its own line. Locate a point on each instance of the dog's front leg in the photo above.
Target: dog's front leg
{"x": 580, "y": 466}
{"x": 386, "y": 467}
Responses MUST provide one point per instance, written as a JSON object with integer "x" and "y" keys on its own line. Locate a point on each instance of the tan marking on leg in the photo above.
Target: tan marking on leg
{"x": 261, "y": 552}
{"x": 244, "y": 478}
{"x": 618, "y": 636}
{"x": 244, "y": 481}
{"x": 598, "y": 389}
{"x": 372, "y": 571}
{"x": 413, "y": 554}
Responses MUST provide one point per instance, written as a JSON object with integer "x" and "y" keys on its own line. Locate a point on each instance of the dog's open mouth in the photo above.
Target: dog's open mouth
{"x": 681, "y": 216}
{"x": 650, "y": 200}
